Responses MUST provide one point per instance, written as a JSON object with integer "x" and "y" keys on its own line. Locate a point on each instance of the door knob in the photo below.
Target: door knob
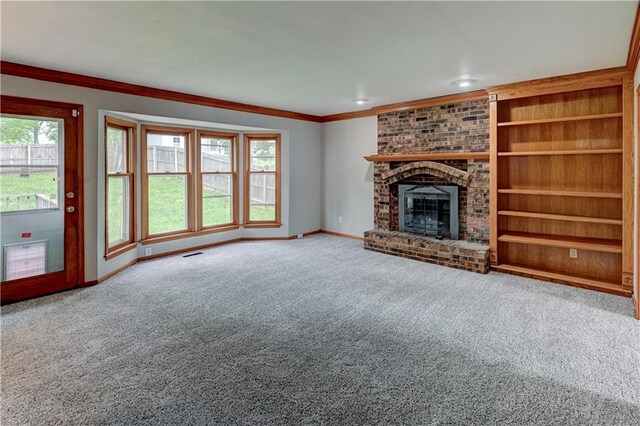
{"x": 70, "y": 195}
{"x": 71, "y": 209}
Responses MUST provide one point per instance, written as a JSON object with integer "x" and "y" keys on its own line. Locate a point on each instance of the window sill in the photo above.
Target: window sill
{"x": 120, "y": 250}
{"x": 187, "y": 234}
{"x": 262, "y": 225}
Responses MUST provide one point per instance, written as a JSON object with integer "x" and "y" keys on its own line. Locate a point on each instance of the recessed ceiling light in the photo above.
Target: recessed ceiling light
{"x": 360, "y": 101}
{"x": 464, "y": 82}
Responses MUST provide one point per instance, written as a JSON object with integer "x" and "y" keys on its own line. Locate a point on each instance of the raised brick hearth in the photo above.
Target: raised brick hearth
{"x": 458, "y": 254}
{"x": 461, "y": 127}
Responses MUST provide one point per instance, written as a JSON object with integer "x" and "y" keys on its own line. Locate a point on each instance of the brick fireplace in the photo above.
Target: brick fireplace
{"x": 445, "y": 129}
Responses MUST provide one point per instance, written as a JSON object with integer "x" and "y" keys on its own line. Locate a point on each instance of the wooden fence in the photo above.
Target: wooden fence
{"x": 262, "y": 190}
{"x": 21, "y": 156}
{"x": 29, "y": 154}
{"x": 27, "y": 202}
{"x": 170, "y": 159}
{"x": 160, "y": 159}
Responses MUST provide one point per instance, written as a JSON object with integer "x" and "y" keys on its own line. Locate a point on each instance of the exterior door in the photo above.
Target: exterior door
{"x": 40, "y": 198}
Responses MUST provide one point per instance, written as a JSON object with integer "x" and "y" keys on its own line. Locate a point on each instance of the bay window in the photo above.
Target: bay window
{"x": 188, "y": 184}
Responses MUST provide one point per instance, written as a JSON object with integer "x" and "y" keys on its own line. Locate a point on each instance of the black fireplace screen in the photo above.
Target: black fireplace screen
{"x": 426, "y": 210}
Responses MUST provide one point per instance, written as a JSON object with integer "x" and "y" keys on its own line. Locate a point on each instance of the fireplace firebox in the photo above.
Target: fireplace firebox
{"x": 429, "y": 210}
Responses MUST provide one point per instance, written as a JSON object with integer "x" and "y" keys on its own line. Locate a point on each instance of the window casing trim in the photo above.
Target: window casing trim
{"x": 248, "y": 223}
{"x": 187, "y": 234}
{"x": 130, "y": 129}
{"x": 188, "y": 174}
{"x": 234, "y": 178}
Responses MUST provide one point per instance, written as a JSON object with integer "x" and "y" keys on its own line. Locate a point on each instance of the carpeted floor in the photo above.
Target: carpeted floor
{"x": 319, "y": 331}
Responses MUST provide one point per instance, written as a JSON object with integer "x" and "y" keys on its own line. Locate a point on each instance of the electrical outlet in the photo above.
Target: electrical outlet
{"x": 148, "y": 251}
{"x": 573, "y": 253}
{"x": 339, "y": 219}
{"x": 300, "y": 236}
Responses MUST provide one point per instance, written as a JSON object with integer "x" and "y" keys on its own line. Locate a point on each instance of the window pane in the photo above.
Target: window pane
{"x": 167, "y": 204}
{"x": 216, "y": 200}
{"x": 28, "y": 188}
{"x": 263, "y": 196}
{"x": 28, "y": 142}
{"x": 215, "y": 154}
{"x": 263, "y": 155}
{"x": 165, "y": 153}
{"x": 116, "y": 150}
{"x": 118, "y": 209}
{"x": 262, "y": 213}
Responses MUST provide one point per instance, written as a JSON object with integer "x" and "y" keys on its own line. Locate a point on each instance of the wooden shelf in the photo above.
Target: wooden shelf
{"x": 561, "y": 179}
{"x": 432, "y": 156}
{"x": 567, "y": 218}
{"x": 592, "y": 244}
{"x": 586, "y": 194}
{"x": 561, "y": 119}
{"x": 567, "y": 152}
{"x": 605, "y": 286}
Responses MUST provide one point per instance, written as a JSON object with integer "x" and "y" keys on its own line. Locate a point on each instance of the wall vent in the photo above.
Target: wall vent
{"x": 192, "y": 254}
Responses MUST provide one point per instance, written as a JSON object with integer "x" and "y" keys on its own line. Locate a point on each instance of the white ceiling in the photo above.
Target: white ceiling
{"x": 315, "y": 57}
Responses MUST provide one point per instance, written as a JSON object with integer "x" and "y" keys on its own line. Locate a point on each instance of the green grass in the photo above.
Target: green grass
{"x": 216, "y": 208}
{"x": 37, "y": 183}
{"x": 262, "y": 213}
{"x": 167, "y": 210}
{"x": 167, "y": 206}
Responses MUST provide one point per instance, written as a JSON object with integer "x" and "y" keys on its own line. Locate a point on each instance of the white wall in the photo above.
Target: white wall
{"x": 301, "y": 179}
{"x": 347, "y": 178}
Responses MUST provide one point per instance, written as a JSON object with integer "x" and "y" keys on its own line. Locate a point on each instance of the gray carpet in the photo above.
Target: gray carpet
{"x": 319, "y": 331}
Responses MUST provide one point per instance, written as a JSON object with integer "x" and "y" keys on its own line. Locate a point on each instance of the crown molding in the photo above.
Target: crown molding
{"x": 634, "y": 44}
{"x": 568, "y": 82}
{"x": 37, "y": 73}
{"x": 401, "y": 106}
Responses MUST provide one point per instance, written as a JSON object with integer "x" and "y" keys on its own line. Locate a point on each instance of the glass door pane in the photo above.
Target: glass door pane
{"x": 31, "y": 185}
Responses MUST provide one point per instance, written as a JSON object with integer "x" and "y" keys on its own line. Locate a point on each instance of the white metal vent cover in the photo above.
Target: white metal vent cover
{"x": 25, "y": 259}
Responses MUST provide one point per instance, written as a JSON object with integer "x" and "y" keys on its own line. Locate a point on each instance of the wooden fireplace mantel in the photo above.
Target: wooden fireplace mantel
{"x": 432, "y": 156}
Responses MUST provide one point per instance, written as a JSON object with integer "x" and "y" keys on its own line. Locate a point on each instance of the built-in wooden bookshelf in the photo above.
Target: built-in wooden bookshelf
{"x": 561, "y": 183}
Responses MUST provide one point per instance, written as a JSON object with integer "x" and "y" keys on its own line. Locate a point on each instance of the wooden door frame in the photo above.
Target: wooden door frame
{"x": 636, "y": 151}
{"x": 25, "y": 288}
